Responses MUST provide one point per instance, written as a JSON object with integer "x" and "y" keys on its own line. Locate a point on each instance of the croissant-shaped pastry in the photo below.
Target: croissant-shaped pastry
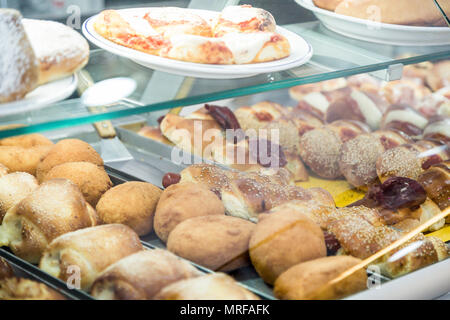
{"x": 55, "y": 208}
{"x": 88, "y": 252}
{"x": 141, "y": 275}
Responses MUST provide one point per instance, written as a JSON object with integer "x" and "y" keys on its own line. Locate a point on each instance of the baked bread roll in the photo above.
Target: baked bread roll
{"x": 55, "y": 208}
{"x": 327, "y": 4}
{"x": 183, "y": 201}
{"x": 19, "y": 159}
{"x": 438, "y": 130}
{"x": 92, "y": 180}
{"x": 258, "y": 115}
{"x": 14, "y": 288}
{"x": 214, "y": 286}
{"x": 439, "y": 75}
{"x": 366, "y": 107}
{"x": 67, "y": 150}
{"x": 141, "y": 275}
{"x": 410, "y": 160}
{"x": 217, "y": 242}
{"x": 132, "y": 204}
{"x": 26, "y": 141}
{"x": 271, "y": 245}
{"x": 304, "y": 121}
{"x": 5, "y": 269}
{"x": 298, "y": 92}
{"x": 405, "y": 91}
{"x": 436, "y": 182}
{"x": 3, "y": 170}
{"x": 407, "y": 12}
{"x": 320, "y": 148}
{"x": 91, "y": 249}
{"x": 357, "y": 161}
{"x": 13, "y": 188}
{"x": 60, "y": 50}
{"x": 20, "y": 71}
{"x": 405, "y": 119}
{"x": 308, "y": 280}
{"x": 154, "y": 133}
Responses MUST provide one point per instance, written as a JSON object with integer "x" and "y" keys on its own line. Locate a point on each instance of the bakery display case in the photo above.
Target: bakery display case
{"x": 321, "y": 172}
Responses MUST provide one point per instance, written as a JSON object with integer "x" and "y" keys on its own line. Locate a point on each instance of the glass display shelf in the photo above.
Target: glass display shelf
{"x": 334, "y": 56}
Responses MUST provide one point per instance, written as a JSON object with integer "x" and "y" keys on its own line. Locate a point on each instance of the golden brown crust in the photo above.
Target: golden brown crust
{"x": 20, "y": 69}
{"x": 215, "y": 286}
{"x": 26, "y": 141}
{"x": 271, "y": 246}
{"x": 13, "y": 188}
{"x": 436, "y": 181}
{"x": 141, "y": 276}
{"x": 183, "y": 201}
{"x": 327, "y": 4}
{"x": 308, "y": 280}
{"x": 6, "y": 270}
{"x": 92, "y": 180}
{"x": 92, "y": 250}
{"x": 407, "y": 12}
{"x": 55, "y": 208}
{"x": 154, "y": 133}
{"x": 217, "y": 242}
{"x": 24, "y": 289}
{"x": 67, "y": 150}
{"x": 23, "y": 159}
{"x": 132, "y": 204}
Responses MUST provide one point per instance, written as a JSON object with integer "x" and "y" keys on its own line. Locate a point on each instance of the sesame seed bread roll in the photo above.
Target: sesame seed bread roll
{"x": 92, "y": 250}
{"x": 141, "y": 275}
{"x": 54, "y": 208}
{"x": 26, "y": 141}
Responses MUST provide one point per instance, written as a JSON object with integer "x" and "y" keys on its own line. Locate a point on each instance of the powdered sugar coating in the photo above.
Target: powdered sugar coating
{"x": 18, "y": 64}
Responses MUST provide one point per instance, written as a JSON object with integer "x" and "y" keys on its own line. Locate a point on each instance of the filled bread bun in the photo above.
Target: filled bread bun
{"x": 309, "y": 280}
{"x": 60, "y": 50}
{"x": 405, "y": 119}
{"x": 410, "y": 160}
{"x": 217, "y": 242}
{"x": 13, "y": 188}
{"x": 3, "y": 170}
{"x": 272, "y": 249}
{"x": 92, "y": 250}
{"x": 20, "y": 70}
{"x": 67, "y": 150}
{"x": 183, "y": 201}
{"x": 407, "y": 12}
{"x": 92, "y": 180}
{"x": 55, "y": 208}
{"x": 5, "y": 269}
{"x": 357, "y": 161}
{"x": 132, "y": 204}
{"x": 215, "y": 286}
{"x": 141, "y": 275}
{"x": 26, "y": 141}
{"x": 439, "y": 76}
{"x": 25, "y": 289}
{"x": 23, "y": 159}
{"x": 436, "y": 182}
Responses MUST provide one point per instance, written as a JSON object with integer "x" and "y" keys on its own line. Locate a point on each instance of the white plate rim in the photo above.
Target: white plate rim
{"x": 23, "y": 105}
{"x": 184, "y": 67}
{"x": 398, "y": 27}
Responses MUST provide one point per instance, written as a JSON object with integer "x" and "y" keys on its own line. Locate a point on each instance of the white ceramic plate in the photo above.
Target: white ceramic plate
{"x": 301, "y": 52}
{"x": 41, "y": 97}
{"x": 372, "y": 31}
